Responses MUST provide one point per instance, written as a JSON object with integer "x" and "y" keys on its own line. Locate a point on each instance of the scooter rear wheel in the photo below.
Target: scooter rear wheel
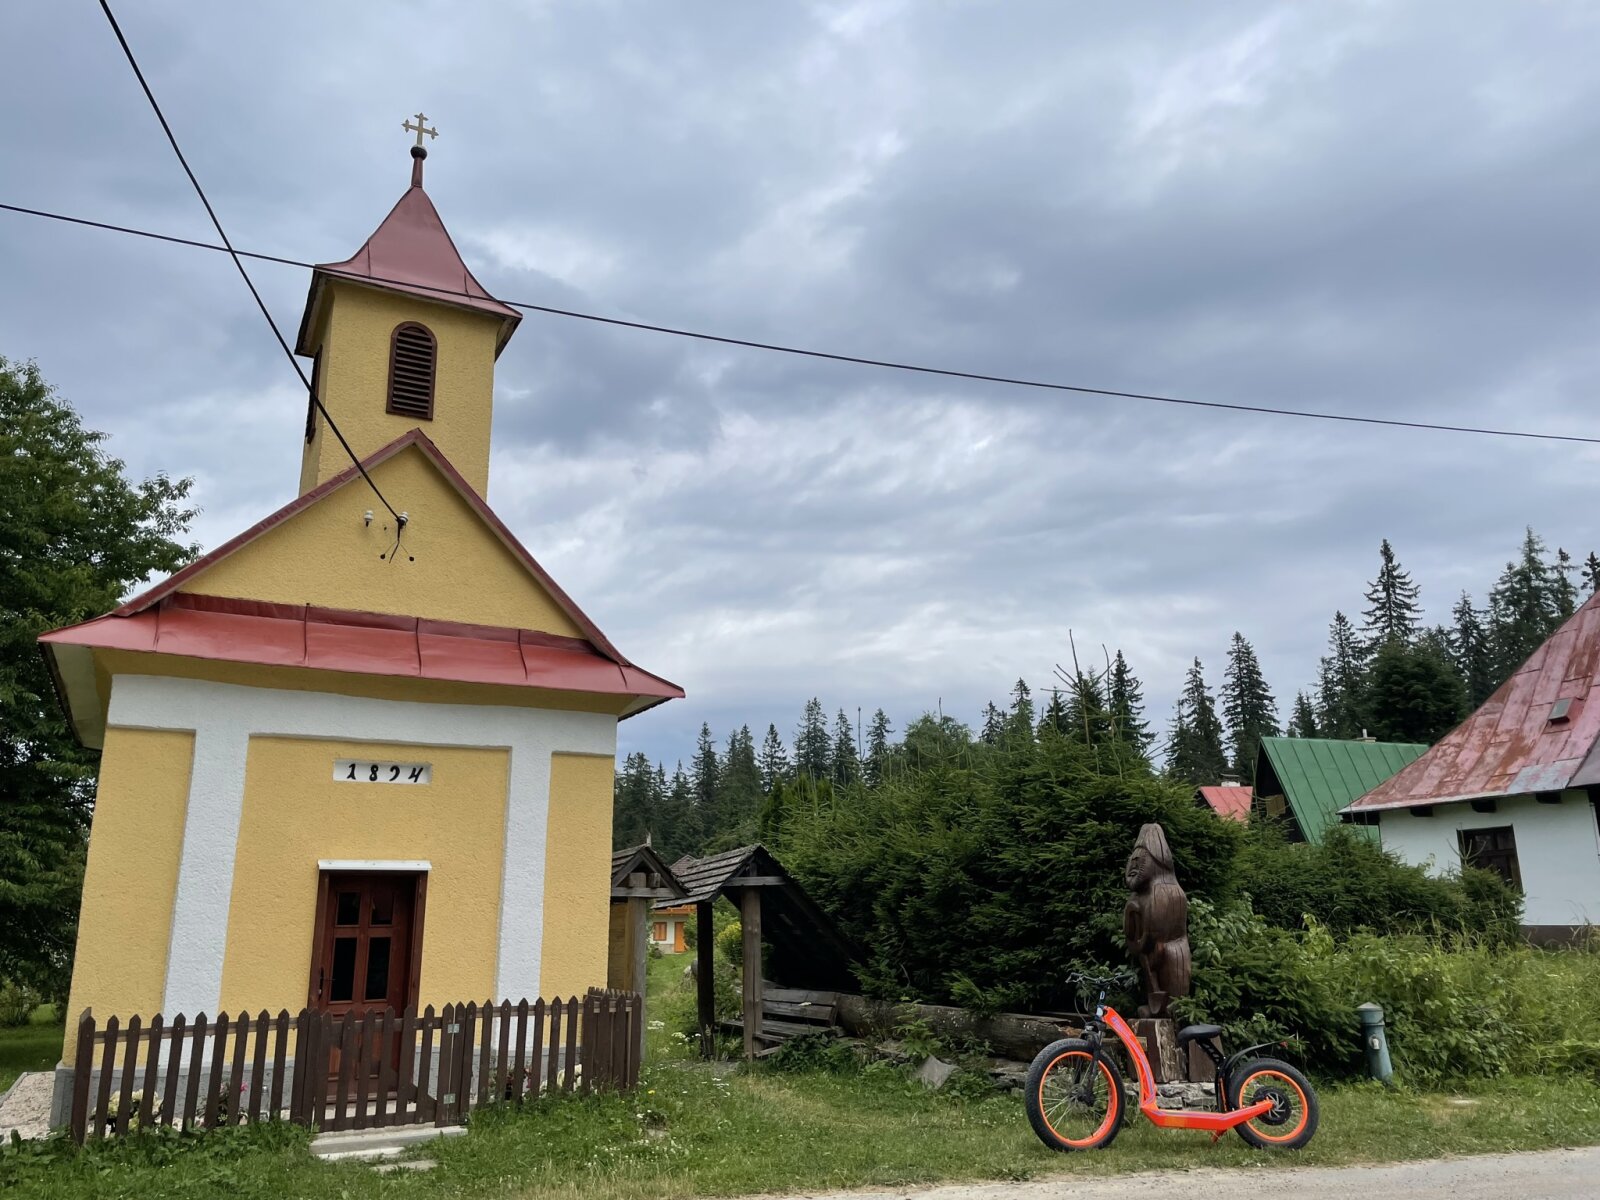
{"x": 1292, "y": 1120}
{"x": 1073, "y": 1094}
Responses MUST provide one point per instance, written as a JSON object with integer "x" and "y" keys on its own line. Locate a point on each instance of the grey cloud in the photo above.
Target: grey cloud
{"x": 1375, "y": 209}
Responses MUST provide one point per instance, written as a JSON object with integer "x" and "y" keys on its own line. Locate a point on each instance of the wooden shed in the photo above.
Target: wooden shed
{"x": 805, "y": 948}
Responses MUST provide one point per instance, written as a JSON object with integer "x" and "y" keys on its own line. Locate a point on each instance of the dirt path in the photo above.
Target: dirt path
{"x": 1547, "y": 1175}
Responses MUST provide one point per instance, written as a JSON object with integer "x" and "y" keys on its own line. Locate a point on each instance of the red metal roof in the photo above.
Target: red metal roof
{"x": 410, "y": 252}
{"x": 1511, "y": 746}
{"x": 1230, "y": 802}
{"x": 282, "y": 635}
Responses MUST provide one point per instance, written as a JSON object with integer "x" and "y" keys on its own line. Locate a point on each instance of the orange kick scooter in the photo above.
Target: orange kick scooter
{"x": 1075, "y": 1098}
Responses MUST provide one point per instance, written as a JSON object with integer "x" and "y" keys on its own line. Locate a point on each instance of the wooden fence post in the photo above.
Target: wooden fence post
{"x": 82, "y": 1069}
{"x": 108, "y": 1058}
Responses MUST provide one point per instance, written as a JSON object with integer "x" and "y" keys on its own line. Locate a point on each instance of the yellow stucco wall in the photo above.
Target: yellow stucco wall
{"x": 577, "y": 875}
{"x": 355, "y": 335}
{"x": 451, "y": 566}
{"x": 131, "y": 878}
{"x": 295, "y": 813}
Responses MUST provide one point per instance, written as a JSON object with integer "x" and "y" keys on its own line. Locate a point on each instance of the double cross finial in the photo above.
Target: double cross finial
{"x": 420, "y": 128}
{"x": 419, "y": 151}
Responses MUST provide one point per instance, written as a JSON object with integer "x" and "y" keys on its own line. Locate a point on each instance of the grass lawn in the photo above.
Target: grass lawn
{"x": 35, "y": 1046}
{"x": 695, "y": 1129}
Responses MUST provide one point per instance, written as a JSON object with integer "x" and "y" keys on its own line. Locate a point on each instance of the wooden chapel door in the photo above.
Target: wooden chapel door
{"x": 368, "y": 936}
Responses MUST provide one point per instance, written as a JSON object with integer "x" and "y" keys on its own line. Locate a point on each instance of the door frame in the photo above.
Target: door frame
{"x": 419, "y": 872}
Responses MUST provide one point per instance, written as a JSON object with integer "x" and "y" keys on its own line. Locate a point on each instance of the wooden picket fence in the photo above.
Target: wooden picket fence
{"x": 367, "y": 1070}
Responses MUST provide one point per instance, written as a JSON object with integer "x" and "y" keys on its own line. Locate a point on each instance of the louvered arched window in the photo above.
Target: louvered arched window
{"x": 412, "y": 356}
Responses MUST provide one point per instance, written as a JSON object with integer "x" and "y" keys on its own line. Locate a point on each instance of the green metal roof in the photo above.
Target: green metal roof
{"x": 1319, "y": 776}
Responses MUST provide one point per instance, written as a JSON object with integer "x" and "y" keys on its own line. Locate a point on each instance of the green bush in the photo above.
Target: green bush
{"x": 1349, "y": 883}
{"x": 816, "y": 1052}
{"x": 1454, "y": 1007}
{"x": 981, "y": 872}
{"x": 730, "y": 944}
{"x": 17, "y": 1004}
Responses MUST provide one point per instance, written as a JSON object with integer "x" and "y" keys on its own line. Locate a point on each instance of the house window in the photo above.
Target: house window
{"x": 660, "y": 932}
{"x": 412, "y": 355}
{"x": 1492, "y": 850}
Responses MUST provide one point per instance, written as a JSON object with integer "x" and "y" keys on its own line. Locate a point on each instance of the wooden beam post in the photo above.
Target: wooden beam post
{"x": 638, "y": 959}
{"x": 705, "y": 978}
{"x": 750, "y": 922}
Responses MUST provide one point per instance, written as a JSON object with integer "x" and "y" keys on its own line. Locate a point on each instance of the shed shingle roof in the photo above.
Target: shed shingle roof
{"x": 1320, "y": 776}
{"x": 1510, "y": 746}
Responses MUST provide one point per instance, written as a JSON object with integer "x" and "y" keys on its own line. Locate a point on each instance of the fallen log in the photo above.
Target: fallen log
{"x": 1008, "y": 1035}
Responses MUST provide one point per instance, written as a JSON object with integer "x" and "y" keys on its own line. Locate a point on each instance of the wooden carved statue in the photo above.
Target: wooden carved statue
{"x": 1156, "y": 921}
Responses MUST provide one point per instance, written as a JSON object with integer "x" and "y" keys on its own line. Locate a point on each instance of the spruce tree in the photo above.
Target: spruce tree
{"x": 739, "y": 789}
{"x": 1194, "y": 752}
{"x": 1341, "y": 683}
{"x": 1470, "y": 649}
{"x": 1126, "y": 702}
{"x": 634, "y": 808}
{"x": 704, "y": 772}
{"x": 1393, "y": 611}
{"x": 1247, "y": 706}
{"x": 1591, "y": 574}
{"x": 845, "y": 765}
{"x": 679, "y": 831}
{"x": 1303, "y": 721}
{"x": 1523, "y": 607}
{"x": 1019, "y": 724}
{"x": 1415, "y": 693}
{"x": 813, "y": 752}
{"x": 1086, "y": 716}
{"x": 774, "y": 760}
{"x": 877, "y": 762}
{"x": 994, "y": 725}
{"x": 1566, "y": 591}
{"x": 1055, "y": 716}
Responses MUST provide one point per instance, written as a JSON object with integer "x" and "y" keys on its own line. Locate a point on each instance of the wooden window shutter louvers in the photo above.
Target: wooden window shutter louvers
{"x": 412, "y": 357}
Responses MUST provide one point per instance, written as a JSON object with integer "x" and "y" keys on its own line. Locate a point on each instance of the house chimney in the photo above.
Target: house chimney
{"x": 1366, "y": 737}
{"x": 1231, "y": 781}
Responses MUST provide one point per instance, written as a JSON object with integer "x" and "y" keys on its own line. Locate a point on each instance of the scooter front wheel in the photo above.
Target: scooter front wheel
{"x": 1073, "y": 1094}
{"x": 1291, "y": 1121}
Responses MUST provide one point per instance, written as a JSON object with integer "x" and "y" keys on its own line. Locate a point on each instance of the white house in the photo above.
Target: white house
{"x": 1514, "y": 788}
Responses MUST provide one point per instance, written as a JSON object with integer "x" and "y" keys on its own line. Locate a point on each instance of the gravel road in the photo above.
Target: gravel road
{"x": 1547, "y": 1175}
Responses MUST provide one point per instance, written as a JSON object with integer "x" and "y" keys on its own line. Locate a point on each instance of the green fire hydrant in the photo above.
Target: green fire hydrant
{"x": 1376, "y": 1043}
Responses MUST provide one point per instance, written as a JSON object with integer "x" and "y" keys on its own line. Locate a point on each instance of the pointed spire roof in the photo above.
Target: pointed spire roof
{"x": 410, "y": 252}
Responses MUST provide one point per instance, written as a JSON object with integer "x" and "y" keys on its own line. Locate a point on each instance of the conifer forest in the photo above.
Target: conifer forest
{"x": 1384, "y": 674}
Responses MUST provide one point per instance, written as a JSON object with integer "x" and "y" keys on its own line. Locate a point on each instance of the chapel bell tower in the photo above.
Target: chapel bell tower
{"x": 401, "y": 336}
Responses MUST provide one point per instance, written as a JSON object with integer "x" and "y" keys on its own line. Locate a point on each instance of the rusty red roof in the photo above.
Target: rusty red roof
{"x": 1230, "y": 802}
{"x": 1537, "y": 733}
{"x": 410, "y": 252}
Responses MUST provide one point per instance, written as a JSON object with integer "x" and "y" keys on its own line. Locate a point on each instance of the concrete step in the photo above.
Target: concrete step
{"x": 377, "y": 1143}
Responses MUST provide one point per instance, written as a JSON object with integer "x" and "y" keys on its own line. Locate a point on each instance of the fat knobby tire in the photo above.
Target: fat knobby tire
{"x": 1280, "y": 1137}
{"x": 1032, "y": 1101}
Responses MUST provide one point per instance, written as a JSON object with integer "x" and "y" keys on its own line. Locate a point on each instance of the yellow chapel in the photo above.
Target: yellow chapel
{"x": 356, "y": 756}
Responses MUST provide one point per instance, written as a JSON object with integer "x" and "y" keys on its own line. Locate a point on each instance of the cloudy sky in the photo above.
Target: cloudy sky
{"x": 1364, "y": 208}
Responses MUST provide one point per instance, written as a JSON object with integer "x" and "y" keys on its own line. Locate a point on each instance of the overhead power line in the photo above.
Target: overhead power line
{"x": 172, "y": 140}
{"x": 853, "y": 359}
